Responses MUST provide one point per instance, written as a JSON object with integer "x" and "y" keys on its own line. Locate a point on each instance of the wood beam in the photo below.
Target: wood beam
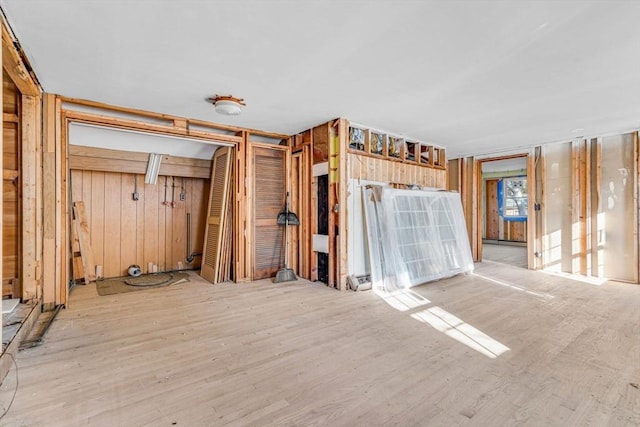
{"x": 178, "y": 123}
{"x": 531, "y": 212}
{"x": 636, "y": 203}
{"x": 106, "y": 160}
{"x": 50, "y": 270}
{"x": 343, "y": 248}
{"x": 30, "y": 153}
{"x": 14, "y": 65}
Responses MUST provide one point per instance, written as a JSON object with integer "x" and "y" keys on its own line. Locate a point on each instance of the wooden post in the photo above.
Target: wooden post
{"x": 29, "y": 151}
{"x": 333, "y": 201}
{"x": 595, "y": 184}
{"x": 468, "y": 191}
{"x": 1, "y": 184}
{"x": 636, "y": 203}
{"x": 49, "y": 202}
{"x": 308, "y": 207}
{"x": 240, "y": 211}
{"x": 539, "y": 215}
{"x": 583, "y": 191}
{"x": 343, "y": 263}
{"x": 249, "y": 209}
{"x": 476, "y": 173}
{"x": 575, "y": 206}
{"x": 63, "y": 213}
{"x": 84, "y": 241}
{"x": 531, "y": 212}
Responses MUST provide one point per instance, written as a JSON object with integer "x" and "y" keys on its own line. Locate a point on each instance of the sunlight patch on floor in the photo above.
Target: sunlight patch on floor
{"x": 403, "y": 299}
{"x": 514, "y": 287}
{"x": 590, "y": 280}
{"x": 441, "y": 320}
{"x": 445, "y": 322}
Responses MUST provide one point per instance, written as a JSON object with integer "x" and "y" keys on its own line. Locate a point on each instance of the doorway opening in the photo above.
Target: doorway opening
{"x": 504, "y": 198}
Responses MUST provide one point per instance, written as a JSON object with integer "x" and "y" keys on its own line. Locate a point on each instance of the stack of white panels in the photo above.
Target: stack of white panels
{"x": 414, "y": 236}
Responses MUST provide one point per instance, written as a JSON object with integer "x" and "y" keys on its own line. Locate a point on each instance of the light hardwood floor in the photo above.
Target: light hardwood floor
{"x": 503, "y": 346}
{"x": 505, "y": 253}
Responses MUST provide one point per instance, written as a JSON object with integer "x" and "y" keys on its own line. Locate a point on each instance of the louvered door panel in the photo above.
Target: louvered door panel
{"x": 220, "y": 181}
{"x": 269, "y": 197}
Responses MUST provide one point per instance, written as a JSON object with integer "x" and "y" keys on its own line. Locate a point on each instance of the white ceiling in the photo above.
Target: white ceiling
{"x": 473, "y": 76}
{"x": 119, "y": 139}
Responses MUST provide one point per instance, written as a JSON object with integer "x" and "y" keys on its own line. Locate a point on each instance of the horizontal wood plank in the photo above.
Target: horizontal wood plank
{"x": 107, "y": 160}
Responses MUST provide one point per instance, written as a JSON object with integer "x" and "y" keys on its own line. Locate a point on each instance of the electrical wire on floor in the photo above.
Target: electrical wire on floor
{"x": 14, "y": 391}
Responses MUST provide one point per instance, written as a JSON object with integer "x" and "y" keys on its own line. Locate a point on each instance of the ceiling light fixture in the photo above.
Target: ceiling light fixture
{"x": 153, "y": 168}
{"x": 227, "y": 104}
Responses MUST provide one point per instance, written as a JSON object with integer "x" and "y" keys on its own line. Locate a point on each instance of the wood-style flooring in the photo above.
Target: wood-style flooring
{"x": 505, "y": 253}
{"x": 503, "y": 346}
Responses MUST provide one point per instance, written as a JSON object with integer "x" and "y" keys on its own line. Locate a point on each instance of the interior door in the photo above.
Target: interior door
{"x": 216, "y": 214}
{"x": 269, "y": 189}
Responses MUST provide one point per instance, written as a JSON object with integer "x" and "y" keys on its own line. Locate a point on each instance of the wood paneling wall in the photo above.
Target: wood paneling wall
{"x": 10, "y": 188}
{"x": 125, "y": 232}
{"x": 376, "y": 169}
{"x": 102, "y": 159}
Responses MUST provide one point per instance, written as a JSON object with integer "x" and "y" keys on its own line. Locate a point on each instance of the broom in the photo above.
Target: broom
{"x": 285, "y": 218}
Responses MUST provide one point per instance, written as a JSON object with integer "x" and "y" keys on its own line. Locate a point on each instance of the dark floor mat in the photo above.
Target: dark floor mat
{"x": 146, "y": 281}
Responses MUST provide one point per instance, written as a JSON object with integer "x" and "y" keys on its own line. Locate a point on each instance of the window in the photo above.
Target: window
{"x": 513, "y": 200}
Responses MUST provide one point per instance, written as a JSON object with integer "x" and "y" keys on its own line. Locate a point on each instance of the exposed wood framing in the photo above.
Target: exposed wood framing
{"x": 240, "y": 259}
{"x": 248, "y": 215}
{"x": 595, "y": 183}
{"x": 476, "y": 241}
{"x": 471, "y": 193}
{"x": 636, "y": 203}
{"x": 583, "y": 171}
{"x": 334, "y": 161}
{"x": 50, "y": 270}
{"x": 539, "y": 216}
{"x": 96, "y": 113}
{"x": 576, "y": 206}
{"x": 106, "y": 160}
{"x": 378, "y": 169}
{"x": 146, "y": 126}
{"x": 343, "y": 177}
{"x": 13, "y": 63}
{"x": 65, "y": 210}
{"x": 173, "y": 124}
{"x": 11, "y": 118}
{"x": 295, "y": 246}
{"x": 39, "y": 200}
{"x": 30, "y": 162}
{"x": 411, "y": 152}
{"x": 84, "y": 241}
{"x": 531, "y": 212}
{"x": 4, "y": 372}
{"x": 309, "y": 221}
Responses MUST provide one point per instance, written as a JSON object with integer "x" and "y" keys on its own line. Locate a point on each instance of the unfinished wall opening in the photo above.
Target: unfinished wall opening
{"x": 323, "y": 225}
{"x": 504, "y": 200}
{"x": 159, "y": 227}
{"x": 11, "y": 208}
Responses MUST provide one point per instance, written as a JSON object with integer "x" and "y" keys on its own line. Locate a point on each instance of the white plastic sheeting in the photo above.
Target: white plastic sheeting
{"x": 414, "y": 236}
